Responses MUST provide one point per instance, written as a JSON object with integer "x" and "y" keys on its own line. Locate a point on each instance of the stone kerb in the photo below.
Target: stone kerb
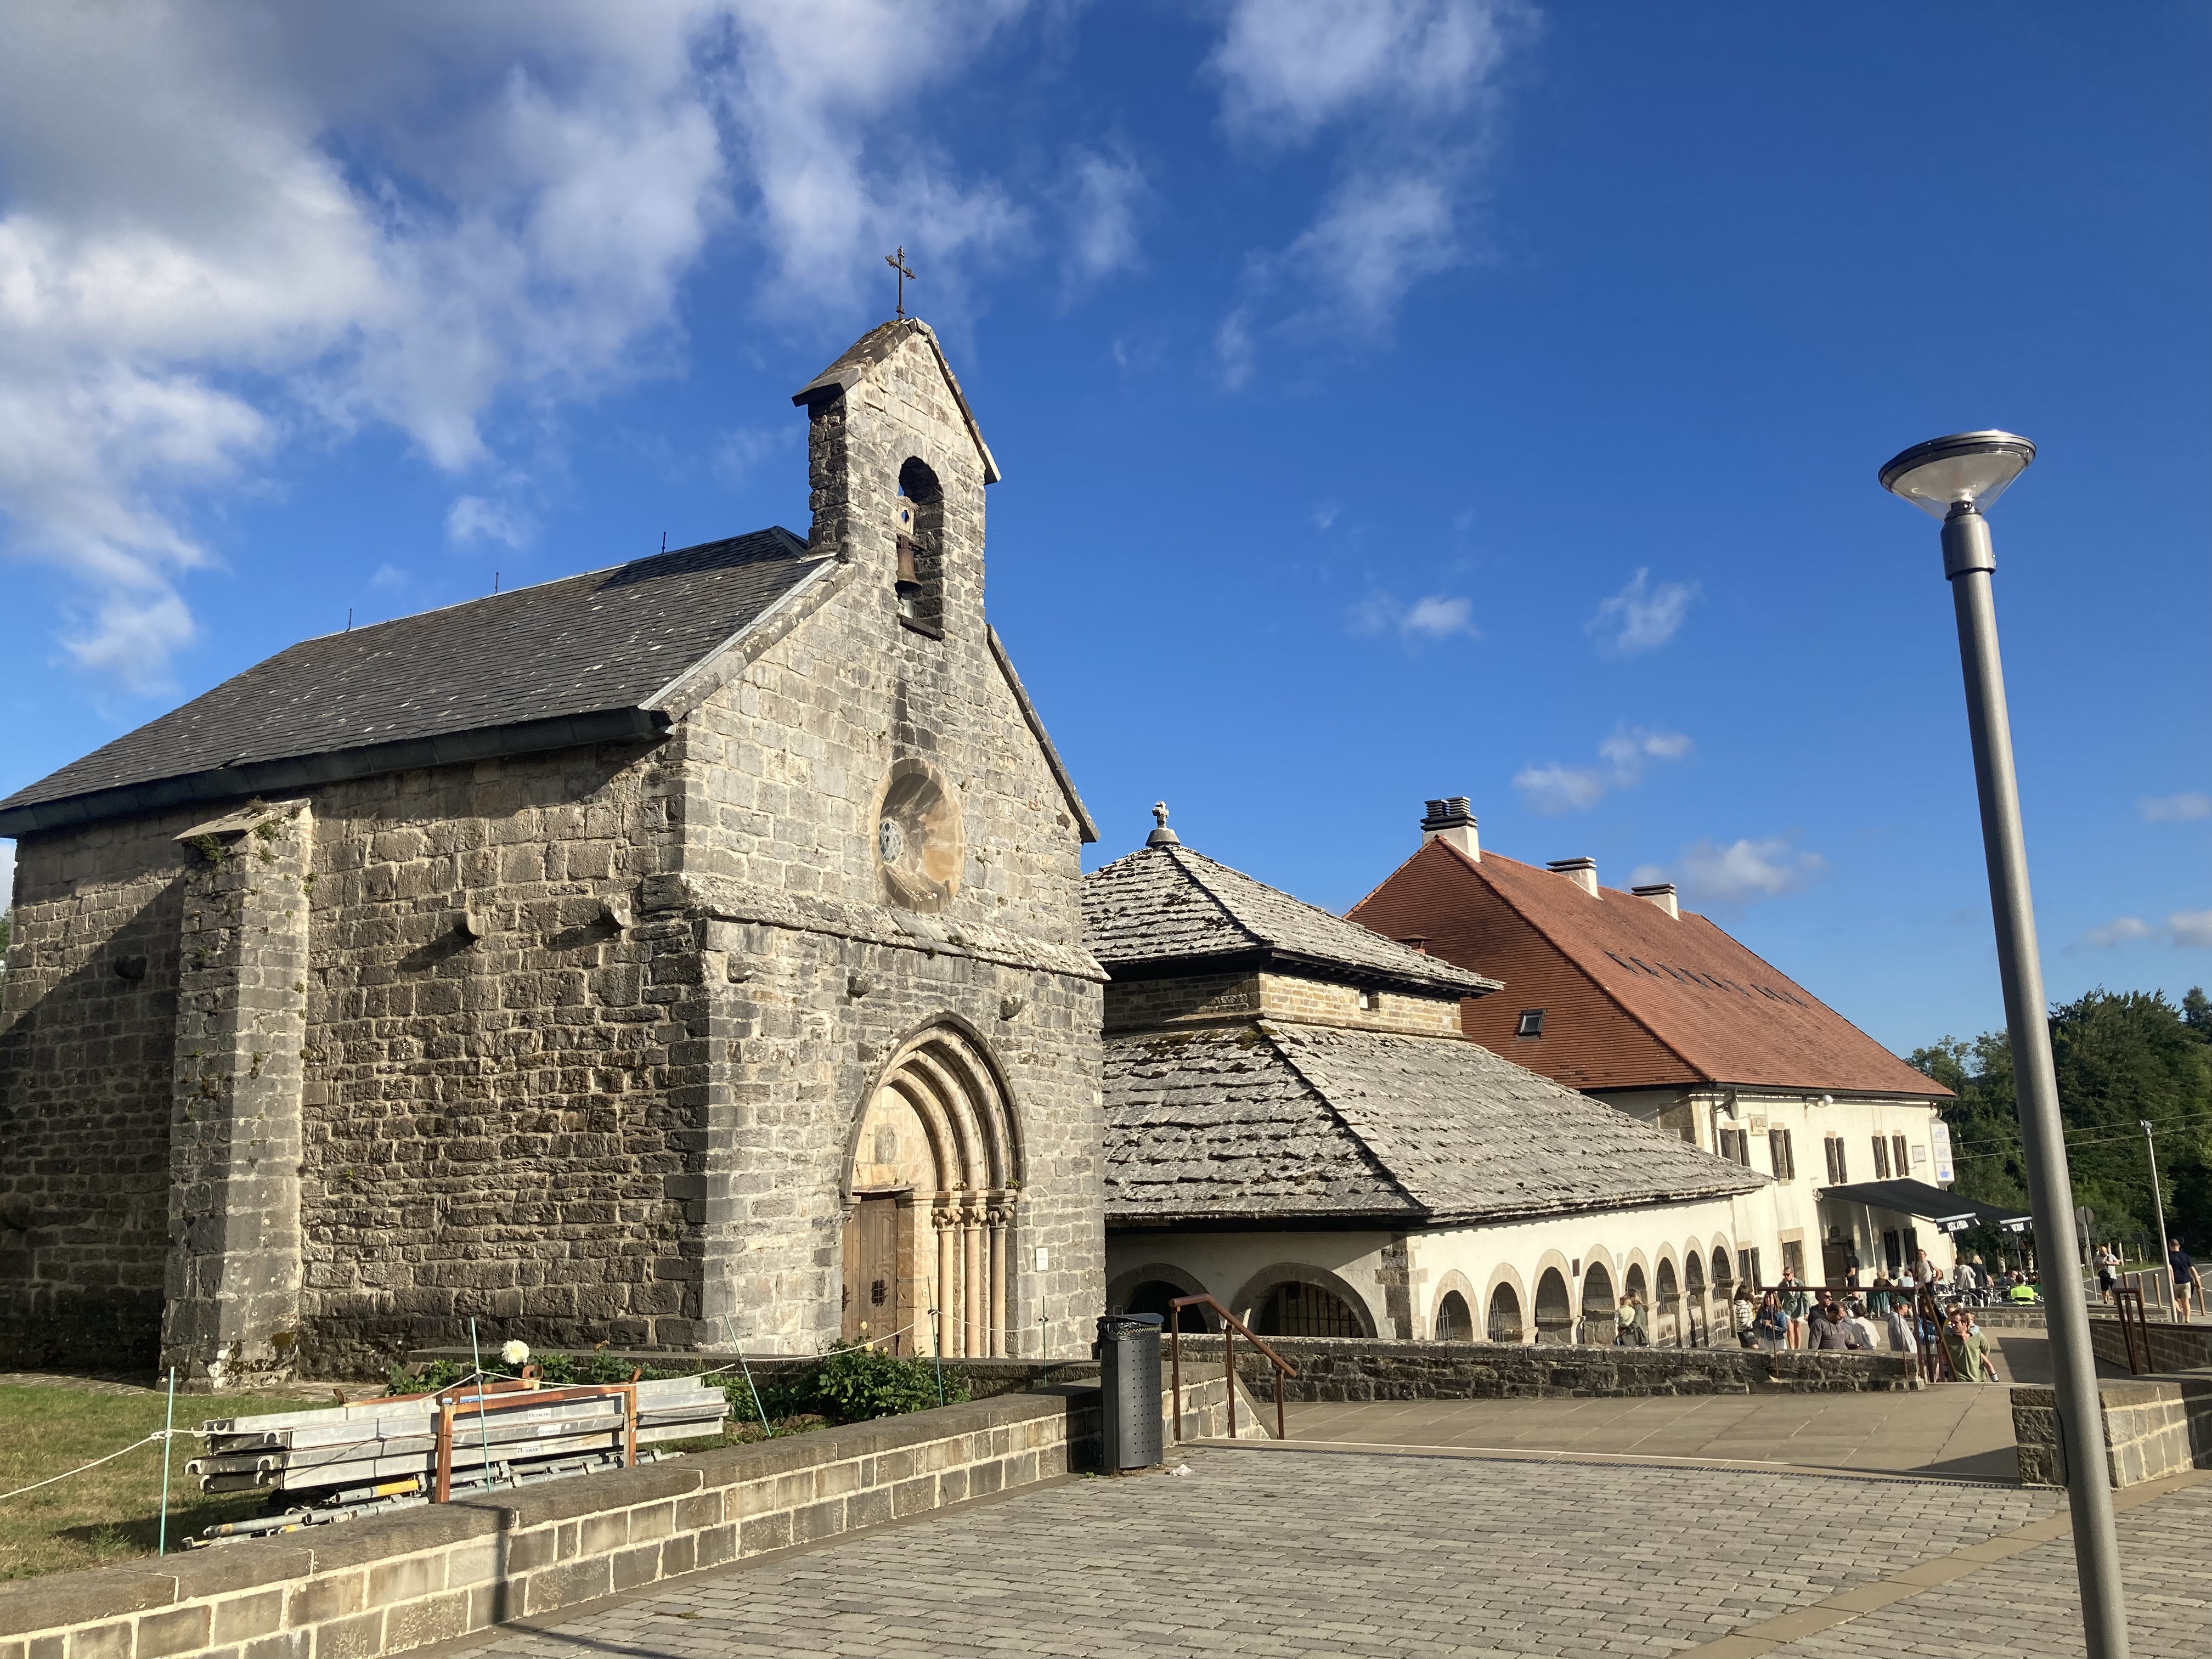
{"x": 364, "y": 1589}
{"x": 1365, "y": 1368}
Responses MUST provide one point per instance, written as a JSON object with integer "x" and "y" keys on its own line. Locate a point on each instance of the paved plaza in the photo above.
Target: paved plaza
{"x": 1278, "y": 1551}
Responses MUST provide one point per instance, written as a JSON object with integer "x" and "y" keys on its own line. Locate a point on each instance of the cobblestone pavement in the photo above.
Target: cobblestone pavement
{"x": 2031, "y": 1604}
{"x": 1292, "y": 1553}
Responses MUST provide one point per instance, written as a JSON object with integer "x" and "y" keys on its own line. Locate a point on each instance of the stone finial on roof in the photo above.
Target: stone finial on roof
{"x": 1162, "y": 836}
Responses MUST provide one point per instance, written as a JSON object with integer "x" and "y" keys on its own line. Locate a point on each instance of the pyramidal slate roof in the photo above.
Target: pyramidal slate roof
{"x": 583, "y": 660}
{"x": 1273, "y": 1121}
{"x": 1165, "y": 909}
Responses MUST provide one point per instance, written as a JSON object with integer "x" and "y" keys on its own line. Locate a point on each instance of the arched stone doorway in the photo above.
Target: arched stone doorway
{"x": 1598, "y": 1325}
{"x": 1156, "y": 1296}
{"x": 1294, "y": 1308}
{"x": 1455, "y": 1321}
{"x": 1503, "y": 1324}
{"x": 1555, "y": 1315}
{"x": 934, "y": 1176}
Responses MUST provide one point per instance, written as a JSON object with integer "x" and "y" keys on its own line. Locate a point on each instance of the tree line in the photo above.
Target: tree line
{"x": 2122, "y": 1057}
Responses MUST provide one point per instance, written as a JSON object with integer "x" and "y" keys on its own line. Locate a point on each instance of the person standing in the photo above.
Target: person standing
{"x": 2108, "y": 1271}
{"x": 1744, "y": 1316}
{"x": 1791, "y": 1295}
{"x": 1773, "y": 1323}
{"x": 2184, "y": 1279}
{"x": 1968, "y": 1350}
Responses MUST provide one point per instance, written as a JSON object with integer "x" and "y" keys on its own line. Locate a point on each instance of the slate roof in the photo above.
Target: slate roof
{"x": 1167, "y": 909}
{"x": 1277, "y": 1122}
{"x": 557, "y": 654}
{"x": 1635, "y": 997}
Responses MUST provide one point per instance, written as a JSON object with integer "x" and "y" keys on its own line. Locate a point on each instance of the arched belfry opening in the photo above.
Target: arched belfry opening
{"x": 921, "y": 529}
{"x": 930, "y": 1194}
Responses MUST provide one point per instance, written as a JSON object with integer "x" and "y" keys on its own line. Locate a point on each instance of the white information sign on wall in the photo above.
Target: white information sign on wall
{"x": 1942, "y": 1139}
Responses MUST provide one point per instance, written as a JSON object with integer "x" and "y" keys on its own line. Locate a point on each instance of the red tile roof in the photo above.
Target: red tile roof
{"x": 1632, "y": 998}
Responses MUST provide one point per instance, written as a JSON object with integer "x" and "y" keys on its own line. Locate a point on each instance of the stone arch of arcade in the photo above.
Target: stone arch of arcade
{"x": 931, "y": 1179}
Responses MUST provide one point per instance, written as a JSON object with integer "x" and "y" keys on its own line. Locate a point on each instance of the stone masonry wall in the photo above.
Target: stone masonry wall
{"x": 492, "y": 1125}
{"x": 87, "y": 1032}
{"x": 784, "y": 767}
{"x": 2154, "y": 1426}
{"x": 364, "y": 1588}
{"x": 1333, "y": 1370}
{"x": 233, "y": 1310}
{"x": 1150, "y": 1004}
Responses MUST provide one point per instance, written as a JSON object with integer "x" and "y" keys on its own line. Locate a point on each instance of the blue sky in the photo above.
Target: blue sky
{"x": 1413, "y": 399}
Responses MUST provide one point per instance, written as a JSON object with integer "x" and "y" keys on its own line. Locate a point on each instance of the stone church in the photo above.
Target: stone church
{"x": 685, "y": 954}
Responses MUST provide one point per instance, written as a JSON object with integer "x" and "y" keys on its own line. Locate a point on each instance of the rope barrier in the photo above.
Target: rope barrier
{"x": 158, "y": 1434}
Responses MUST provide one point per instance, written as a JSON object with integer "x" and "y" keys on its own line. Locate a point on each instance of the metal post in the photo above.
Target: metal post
{"x": 1967, "y": 562}
{"x": 169, "y": 1428}
{"x": 2157, "y": 1200}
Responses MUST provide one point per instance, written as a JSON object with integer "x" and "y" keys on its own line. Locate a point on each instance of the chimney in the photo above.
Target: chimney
{"x": 1662, "y": 895}
{"x": 1581, "y": 872}
{"x": 1451, "y": 821}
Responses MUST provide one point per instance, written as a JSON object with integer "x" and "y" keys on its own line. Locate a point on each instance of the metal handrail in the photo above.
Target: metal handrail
{"x": 2134, "y": 1326}
{"x": 1230, "y": 1326}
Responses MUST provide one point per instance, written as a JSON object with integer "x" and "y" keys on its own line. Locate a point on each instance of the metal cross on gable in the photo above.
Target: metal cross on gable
{"x": 897, "y": 262}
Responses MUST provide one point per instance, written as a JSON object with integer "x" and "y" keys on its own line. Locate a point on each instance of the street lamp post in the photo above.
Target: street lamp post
{"x": 2157, "y": 1200}
{"x": 1953, "y": 479}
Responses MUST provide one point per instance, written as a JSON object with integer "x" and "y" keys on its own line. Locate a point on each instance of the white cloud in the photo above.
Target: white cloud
{"x": 1554, "y": 788}
{"x": 2190, "y": 929}
{"x": 472, "y": 519}
{"x": 2122, "y": 930}
{"x": 1407, "y": 88}
{"x": 223, "y": 230}
{"x": 2175, "y": 809}
{"x": 1291, "y": 67}
{"x": 742, "y": 449}
{"x": 1234, "y": 352}
{"x": 388, "y": 576}
{"x": 1433, "y": 616}
{"x": 1105, "y": 197}
{"x": 824, "y": 97}
{"x": 1741, "y": 873}
{"x": 1641, "y": 617}
{"x": 221, "y": 227}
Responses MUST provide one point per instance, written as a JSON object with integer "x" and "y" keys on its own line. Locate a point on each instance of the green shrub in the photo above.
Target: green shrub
{"x": 853, "y": 1384}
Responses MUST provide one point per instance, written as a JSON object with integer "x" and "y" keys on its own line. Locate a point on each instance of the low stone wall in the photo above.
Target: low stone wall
{"x": 1366, "y": 1369}
{"x": 985, "y": 1378}
{"x": 2172, "y": 1347}
{"x": 2154, "y": 1426}
{"x": 364, "y": 1589}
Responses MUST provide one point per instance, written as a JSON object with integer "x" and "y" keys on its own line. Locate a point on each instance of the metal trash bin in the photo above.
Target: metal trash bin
{"x": 1129, "y": 1391}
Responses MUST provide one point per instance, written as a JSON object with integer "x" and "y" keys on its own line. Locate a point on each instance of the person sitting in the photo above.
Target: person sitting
{"x": 2021, "y": 1290}
{"x": 1855, "y": 1314}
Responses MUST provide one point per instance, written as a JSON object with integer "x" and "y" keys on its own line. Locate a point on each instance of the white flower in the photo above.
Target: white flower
{"x": 515, "y": 1353}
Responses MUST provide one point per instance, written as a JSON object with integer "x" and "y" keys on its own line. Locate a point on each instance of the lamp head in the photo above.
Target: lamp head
{"x": 1966, "y": 471}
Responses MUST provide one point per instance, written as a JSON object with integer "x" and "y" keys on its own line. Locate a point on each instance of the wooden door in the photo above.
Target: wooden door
{"x": 871, "y": 1282}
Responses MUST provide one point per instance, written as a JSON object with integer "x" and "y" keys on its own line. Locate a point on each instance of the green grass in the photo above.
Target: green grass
{"x": 111, "y": 1513}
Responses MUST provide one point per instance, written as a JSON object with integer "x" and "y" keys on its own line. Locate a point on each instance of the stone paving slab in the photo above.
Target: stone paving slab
{"x": 1285, "y": 1552}
{"x": 2027, "y": 1602}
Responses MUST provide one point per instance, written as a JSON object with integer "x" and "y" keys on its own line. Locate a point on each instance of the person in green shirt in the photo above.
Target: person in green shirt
{"x": 1967, "y": 1349}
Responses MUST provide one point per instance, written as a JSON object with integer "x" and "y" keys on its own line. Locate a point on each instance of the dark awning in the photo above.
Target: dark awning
{"x": 1917, "y": 1198}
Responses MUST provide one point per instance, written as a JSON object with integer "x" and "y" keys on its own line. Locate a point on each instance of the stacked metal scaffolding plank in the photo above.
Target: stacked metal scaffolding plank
{"x": 473, "y": 1434}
